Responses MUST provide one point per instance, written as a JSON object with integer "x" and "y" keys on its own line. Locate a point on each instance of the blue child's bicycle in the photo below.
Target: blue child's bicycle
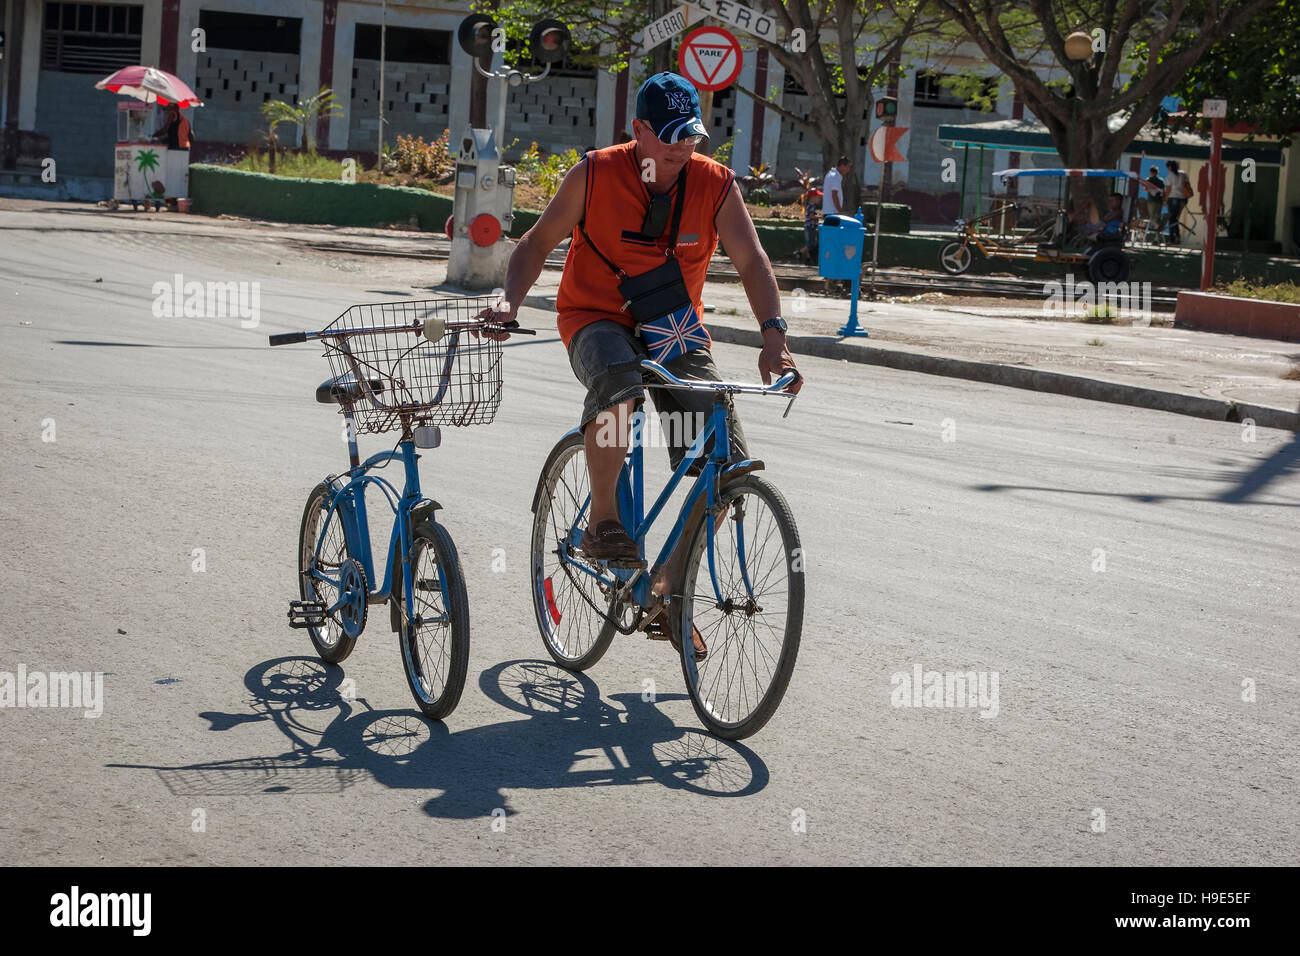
{"x": 739, "y": 582}
{"x": 408, "y": 366}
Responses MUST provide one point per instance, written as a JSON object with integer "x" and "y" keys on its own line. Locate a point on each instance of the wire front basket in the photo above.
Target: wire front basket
{"x": 393, "y": 374}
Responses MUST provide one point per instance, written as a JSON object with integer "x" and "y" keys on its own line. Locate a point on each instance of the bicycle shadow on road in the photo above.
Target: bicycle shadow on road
{"x": 568, "y": 737}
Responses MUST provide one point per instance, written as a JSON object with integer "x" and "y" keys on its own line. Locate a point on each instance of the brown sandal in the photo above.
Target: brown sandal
{"x": 607, "y": 541}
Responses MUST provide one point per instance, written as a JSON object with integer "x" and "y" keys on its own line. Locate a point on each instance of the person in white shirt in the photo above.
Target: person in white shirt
{"x": 833, "y": 189}
{"x": 1176, "y": 198}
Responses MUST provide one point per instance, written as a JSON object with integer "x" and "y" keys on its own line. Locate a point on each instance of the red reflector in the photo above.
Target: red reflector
{"x": 550, "y": 601}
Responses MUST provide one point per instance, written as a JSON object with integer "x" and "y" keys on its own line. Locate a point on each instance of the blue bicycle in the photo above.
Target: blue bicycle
{"x": 408, "y": 366}
{"x": 741, "y": 578}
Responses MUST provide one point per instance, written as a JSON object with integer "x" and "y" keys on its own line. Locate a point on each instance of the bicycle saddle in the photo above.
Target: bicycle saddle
{"x": 344, "y": 390}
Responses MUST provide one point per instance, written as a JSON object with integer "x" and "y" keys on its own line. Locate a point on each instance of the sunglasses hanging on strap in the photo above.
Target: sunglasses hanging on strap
{"x": 658, "y": 300}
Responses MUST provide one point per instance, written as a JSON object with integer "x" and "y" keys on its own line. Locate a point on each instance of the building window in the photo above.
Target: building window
{"x": 403, "y": 45}
{"x": 251, "y": 32}
{"x": 931, "y": 91}
{"x": 90, "y": 37}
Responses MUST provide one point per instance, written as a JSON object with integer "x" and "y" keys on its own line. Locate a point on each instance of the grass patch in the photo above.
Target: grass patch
{"x": 1099, "y": 315}
{"x": 1293, "y": 374}
{"x": 293, "y": 165}
{"x": 1095, "y": 342}
{"x": 1279, "y": 292}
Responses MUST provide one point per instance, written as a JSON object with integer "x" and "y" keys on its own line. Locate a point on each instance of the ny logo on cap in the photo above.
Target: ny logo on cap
{"x": 679, "y": 102}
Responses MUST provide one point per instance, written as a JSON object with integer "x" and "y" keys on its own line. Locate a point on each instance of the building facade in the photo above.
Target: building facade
{"x": 237, "y": 54}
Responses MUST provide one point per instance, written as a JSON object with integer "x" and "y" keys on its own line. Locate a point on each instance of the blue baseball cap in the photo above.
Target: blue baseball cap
{"x": 670, "y": 104}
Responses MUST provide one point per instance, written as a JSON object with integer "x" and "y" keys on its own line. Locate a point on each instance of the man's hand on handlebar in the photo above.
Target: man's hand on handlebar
{"x": 499, "y": 314}
{"x": 775, "y": 359}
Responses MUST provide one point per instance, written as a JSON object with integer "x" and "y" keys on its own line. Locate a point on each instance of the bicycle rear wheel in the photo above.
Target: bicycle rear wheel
{"x": 330, "y": 639}
{"x": 572, "y": 607}
{"x": 435, "y": 631}
{"x": 753, "y": 634}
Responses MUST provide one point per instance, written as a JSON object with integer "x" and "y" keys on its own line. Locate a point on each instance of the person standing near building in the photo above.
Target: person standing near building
{"x": 175, "y": 131}
{"x": 1177, "y": 191}
{"x": 833, "y": 189}
{"x": 1153, "y": 203}
{"x": 812, "y": 201}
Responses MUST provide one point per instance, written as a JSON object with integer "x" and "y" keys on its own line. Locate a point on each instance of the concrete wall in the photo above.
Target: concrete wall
{"x": 358, "y": 128}
{"x": 798, "y": 147}
{"x": 558, "y": 112}
{"x": 418, "y": 102}
{"x": 81, "y": 122}
{"x": 234, "y": 84}
{"x": 223, "y": 118}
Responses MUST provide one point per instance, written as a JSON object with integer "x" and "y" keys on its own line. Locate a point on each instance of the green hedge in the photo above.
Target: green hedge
{"x": 217, "y": 189}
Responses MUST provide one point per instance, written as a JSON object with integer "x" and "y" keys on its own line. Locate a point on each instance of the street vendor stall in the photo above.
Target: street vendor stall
{"x": 145, "y": 169}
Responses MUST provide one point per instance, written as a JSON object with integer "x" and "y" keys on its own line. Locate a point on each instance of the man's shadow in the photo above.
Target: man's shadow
{"x": 567, "y": 737}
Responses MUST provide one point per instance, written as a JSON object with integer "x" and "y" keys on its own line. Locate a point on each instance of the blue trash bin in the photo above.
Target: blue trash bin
{"x": 840, "y": 242}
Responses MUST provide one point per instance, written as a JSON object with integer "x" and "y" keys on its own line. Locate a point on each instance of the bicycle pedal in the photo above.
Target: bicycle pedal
{"x": 625, "y": 565}
{"x": 306, "y": 614}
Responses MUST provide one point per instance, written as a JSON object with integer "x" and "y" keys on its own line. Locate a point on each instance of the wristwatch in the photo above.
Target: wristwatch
{"x": 776, "y": 323}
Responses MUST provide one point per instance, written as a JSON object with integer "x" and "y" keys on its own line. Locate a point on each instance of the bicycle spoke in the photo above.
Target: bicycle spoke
{"x": 747, "y": 635}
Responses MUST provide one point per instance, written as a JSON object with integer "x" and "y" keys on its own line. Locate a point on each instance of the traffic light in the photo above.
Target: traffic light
{"x": 886, "y": 106}
{"x": 548, "y": 41}
{"x": 475, "y": 34}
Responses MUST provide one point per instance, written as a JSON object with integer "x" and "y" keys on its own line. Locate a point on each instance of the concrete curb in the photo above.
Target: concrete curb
{"x": 1015, "y": 376}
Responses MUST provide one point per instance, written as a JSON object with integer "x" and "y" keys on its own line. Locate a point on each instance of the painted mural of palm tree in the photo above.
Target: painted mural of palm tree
{"x": 146, "y": 161}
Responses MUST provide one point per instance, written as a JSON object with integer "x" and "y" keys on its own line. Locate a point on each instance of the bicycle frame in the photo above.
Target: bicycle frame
{"x": 631, "y": 500}
{"x": 348, "y": 503}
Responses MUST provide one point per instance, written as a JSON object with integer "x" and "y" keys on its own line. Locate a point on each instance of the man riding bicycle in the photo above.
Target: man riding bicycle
{"x": 644, "y": 218}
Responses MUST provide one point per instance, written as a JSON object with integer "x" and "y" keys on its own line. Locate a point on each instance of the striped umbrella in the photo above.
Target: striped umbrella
{"x": 151, "y": 85}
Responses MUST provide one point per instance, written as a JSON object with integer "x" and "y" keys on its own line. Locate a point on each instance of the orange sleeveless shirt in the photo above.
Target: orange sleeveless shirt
{"x": 615, "y": 206}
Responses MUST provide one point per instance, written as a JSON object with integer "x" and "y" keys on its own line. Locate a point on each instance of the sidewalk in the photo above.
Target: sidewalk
{"x": 1005, "y": 342}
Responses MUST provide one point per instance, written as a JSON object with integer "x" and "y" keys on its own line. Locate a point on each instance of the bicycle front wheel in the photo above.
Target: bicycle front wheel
{"x": 572, "y": 605}
{"x": 753, "y": 632}
{"x": 435, "y": 630}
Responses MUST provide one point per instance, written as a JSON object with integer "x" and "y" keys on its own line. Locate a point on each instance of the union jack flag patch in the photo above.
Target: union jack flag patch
{"x": 674, "y": 334}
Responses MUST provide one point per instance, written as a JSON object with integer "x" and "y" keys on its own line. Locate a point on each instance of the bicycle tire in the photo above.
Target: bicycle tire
{"x": 956, "y": 258}
{"x": 437, "y": 699}
{"x": 573, "y": 603}
{"x": 686, "y": 608}
{"x": 332, "y": 645}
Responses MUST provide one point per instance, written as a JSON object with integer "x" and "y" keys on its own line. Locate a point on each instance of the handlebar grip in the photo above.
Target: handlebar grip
{"x": 793, "y": 374}
{"x": 289, "y": 338}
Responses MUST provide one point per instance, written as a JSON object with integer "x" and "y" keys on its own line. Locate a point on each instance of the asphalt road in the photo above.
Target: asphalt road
{"x": 1126, "y": 574}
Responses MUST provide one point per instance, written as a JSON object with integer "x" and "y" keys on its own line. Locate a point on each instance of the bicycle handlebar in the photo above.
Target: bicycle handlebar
{"x": 293, "y": 338}
{"x": 694, "y": 385}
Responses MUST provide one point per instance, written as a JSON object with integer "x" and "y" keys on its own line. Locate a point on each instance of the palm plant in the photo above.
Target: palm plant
{"x": 305, "y": 116}
{"x": 276, "y": 112}
{"x": 323, "y": 103}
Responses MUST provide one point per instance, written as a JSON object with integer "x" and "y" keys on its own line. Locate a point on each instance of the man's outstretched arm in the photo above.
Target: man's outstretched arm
{"x": 736, "y": 230}
{"x": 557, "y": 221}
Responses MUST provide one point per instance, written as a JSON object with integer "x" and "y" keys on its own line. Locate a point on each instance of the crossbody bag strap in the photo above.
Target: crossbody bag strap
{"x": 677, "y": 211}
{"x": 594, "y": 248}
{"x": 678, "y": 206}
